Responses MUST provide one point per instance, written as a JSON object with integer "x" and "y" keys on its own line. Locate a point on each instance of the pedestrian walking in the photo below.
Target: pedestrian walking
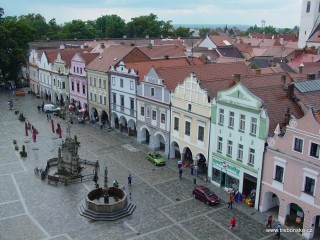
{"x": 48, "y": 117}
{"x": 42, "y": 107}
{"x": 230, "y": 200}
{"x": 180, "y": 173}
{"x": 269, "y": 222}
{"x": 179, "y": 164}
{"x": 191, "y": 168}
{"x": 232, "y": 223}
{"x": 129, "y": 179}
{"x": 278, "y": 231}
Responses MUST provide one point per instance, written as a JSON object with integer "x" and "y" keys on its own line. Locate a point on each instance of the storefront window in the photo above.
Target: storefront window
{"x": 230, "y": 180}
{"x": 216, "y": 175}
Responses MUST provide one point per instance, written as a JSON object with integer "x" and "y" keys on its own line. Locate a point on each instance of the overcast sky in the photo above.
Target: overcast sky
{"x": 278, "y": 13}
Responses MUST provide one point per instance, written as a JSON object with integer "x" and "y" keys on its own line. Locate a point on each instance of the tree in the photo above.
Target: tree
{"x": 203, "y": 32}
{"x": 53, "y": 29}
{"x": 167, "y": 29}
{"x": 38, "y": 23}
{"x": 78, "y": 29}
{"x": 182, "y": 32}
{"x": 14, "y": 37}
{"x": 115, "y": 26}
{"x": 145, "y": 26}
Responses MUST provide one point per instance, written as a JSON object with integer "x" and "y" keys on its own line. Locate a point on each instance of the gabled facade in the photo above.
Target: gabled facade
{"x": 45, "y": 77}
{"x": 190, "y": 123}
{"x": 33, "y": 71}
{"x": 60, "y": 81}
{"x": 123, "y": 85}
{"x": 291, "y": 174}
{"x": 239, "y": 128}
{"x": 78, "y": 79}
{"x": 153, "y": 108}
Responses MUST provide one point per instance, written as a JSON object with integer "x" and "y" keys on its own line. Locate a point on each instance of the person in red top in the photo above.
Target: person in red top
{"x": 232, "y": 223}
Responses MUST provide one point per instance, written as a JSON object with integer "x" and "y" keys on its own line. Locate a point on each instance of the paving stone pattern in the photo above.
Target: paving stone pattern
{"x": 30, "y": 209}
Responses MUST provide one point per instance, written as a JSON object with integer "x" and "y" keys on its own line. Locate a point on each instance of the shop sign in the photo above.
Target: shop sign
{"x": 227, "y": 166}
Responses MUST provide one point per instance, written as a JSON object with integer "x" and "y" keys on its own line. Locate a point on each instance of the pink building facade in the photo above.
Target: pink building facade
{"x": 291, "y": 173}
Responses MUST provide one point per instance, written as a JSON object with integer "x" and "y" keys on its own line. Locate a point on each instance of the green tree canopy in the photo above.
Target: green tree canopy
{"x": 38, "y": 23}
{"x": 111, "y": 26}
{"x": 181, "y": 32}
{"x": 78, "y": 29}
{"x": 145, "y": 26}
{"x": 203, "y": 32}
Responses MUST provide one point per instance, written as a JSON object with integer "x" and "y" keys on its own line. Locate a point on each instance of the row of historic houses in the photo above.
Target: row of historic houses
{"x": 219, "y": 117}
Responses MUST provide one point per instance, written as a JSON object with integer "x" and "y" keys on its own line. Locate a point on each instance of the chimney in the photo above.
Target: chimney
{"x": 102, "y": 45}
{"x": 236, "y": 78}
{"x": 257, "y": 71}
{"x": 311, "y": 76}
{"x": 301, "y": 68}
{"x": 150, "y": 45}
{"x": 166, "y": 57}
{"x": 287, "y": 117}
{"x": 290, "y": 91}
{"x": 283, "y": 80}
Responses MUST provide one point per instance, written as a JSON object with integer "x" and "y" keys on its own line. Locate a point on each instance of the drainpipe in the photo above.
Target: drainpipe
{"x": 264, "y": 152}
{"x": 208, "y": 145}
{"x": 109, "y": 96}
{"x": 169, "y": 126}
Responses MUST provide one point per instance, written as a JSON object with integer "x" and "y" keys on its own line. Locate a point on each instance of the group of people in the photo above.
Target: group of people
{"x": 41, "y": 107}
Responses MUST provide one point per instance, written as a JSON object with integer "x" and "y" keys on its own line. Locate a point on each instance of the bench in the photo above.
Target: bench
{"x": 53, "y": 179}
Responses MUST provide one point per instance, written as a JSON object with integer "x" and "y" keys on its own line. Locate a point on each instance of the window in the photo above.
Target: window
{"x": 131, "y": 85}
{"x": 229, "y": 149}
{"x": 221, "y": 116}
{"x": 90, "y": 96}
{"x": 219, "y": 147}
{"x": 113, "y": 81}
{"x": 104, "y": 84}
{"x": 72, "y": 86}
{"x": 95, "y": 97}
{"x": 121, "y": 82}
{"x": 309, "y": 185}
{"x": 163, "y": 118}
{"x": 63, "y": 85}
{"x": 100, "y": 99}
{"x": 200, "y": 133}
{"x": 240, "y": 152}
{"x": 152, "y": 92}
{"x": 148, "y": 112}
{"x": 189, "y": 107}
{"x": 187, "y": 129}
{"x": 298, "y": 145}
{"x": 114, "y": 96}
{"x": 83, "y": 89}
{"x": 99, "y": 82}
{"x": 319, "y": 8}
{"x": 308, "y": 7}
{"x": 142, "y": 111}
{"x": 279, "y": 174}
{"x": 74, "y": 69}
{"x": 95, "y": 82}
{"x": 80, "y": 70}
{"x": 231, "y": 119}
{"x": 78, "y": 87}
{"x": 176, "y": 124}
{"x": 251, "y": 156}
{"x": 253, "y": 128}
{"x": 154, "y": 115}
{"x": 131, "y": 104}
{"x": 122, "y": 102}
{"x": 314, "y": 150}
{"x": 242, "y": 122}
{"x": 105, "y": 100}
{"x": 90, "y": 81}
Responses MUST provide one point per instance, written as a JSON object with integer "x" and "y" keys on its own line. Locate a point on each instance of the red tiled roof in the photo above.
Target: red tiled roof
{"x": 172, "y": 76}
{"x": 219, "y": 40}
{"x": 68, "y": 54}
{"x": 160, "y": 52}
{"x": 89, "y": 57}
{"x": 309, "y": 98}
{"x": 144, "y": 67}
{"x": 303, "y": 58}
{"x": 311, "y": 67}
{"x": 111, "y": 56}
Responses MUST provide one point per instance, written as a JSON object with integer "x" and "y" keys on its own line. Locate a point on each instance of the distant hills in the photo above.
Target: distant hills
{"x": 197, "y": 26}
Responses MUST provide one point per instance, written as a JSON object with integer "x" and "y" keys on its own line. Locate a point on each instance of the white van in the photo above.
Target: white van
{"x": 50, "y": 108}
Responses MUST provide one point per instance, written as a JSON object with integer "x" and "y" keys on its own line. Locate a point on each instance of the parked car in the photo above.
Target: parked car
{"x": 20, "y": 93}
{"x": 156, "y": 158}
{"x": 206, "y": 195}
{"x": 50, "y": 108}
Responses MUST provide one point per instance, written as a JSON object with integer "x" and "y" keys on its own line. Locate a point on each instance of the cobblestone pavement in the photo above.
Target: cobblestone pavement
{"x": 32, "y": 209}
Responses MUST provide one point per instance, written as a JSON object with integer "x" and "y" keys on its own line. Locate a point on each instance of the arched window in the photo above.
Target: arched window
{"x": 308, "y": 6}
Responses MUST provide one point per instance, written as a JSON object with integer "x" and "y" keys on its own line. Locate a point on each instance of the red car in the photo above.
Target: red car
{"x": 204, "y": 194}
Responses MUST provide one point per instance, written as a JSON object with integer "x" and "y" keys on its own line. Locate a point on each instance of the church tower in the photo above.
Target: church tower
{"x": 310, "y": 19}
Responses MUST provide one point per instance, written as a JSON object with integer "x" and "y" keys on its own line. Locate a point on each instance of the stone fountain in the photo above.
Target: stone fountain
{"x": 106, "y": 204}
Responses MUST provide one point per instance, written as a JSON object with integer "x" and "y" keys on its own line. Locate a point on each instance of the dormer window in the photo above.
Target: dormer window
{"x": 152, "y": 92}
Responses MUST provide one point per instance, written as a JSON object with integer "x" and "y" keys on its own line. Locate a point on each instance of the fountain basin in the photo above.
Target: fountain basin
{"x": 117, "y": 200}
